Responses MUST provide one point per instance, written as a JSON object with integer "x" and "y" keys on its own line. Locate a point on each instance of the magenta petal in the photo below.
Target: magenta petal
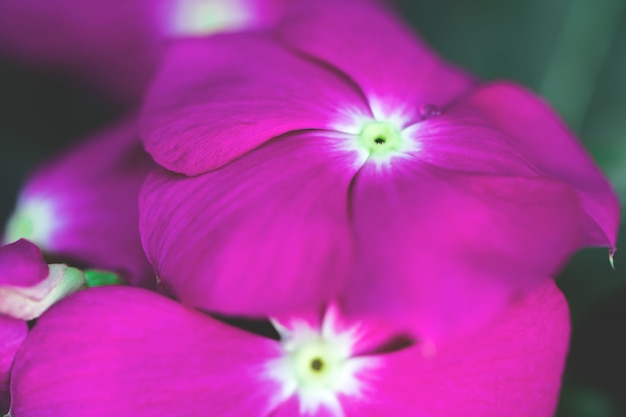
{"x": 217, "y": 98}
{"x": 556, "y": 153}
{"x": 380, "y": 53}
{"x": 444, "y": 253}
{"x": 22, "y": 264}
{"x": 12, "y": 335}
{"x": 503, "y": 129}
{"x": 265, "y": 235}
{"x": 293, "y": 408}
{"x": 82, "y": 206}
{"x": 128, "y": 352}
{"x": 510, "y": 370}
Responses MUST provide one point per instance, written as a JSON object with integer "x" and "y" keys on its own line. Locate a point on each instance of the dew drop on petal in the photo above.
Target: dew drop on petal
{"x": 426, "y": 111}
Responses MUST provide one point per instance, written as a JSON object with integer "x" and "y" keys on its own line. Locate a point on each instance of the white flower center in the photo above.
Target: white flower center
{"x": 204, "y": 17}
{"x": 380, "y": 138}
{"x": 33, "y": 219}
{"x": 317, "y": 365}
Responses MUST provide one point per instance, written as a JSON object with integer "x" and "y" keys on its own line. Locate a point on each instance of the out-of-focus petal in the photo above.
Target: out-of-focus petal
{"x": 111, "y": 44}
{"x": 82, "y": 206}
{"x": 394, "y": 69}
{"x": 12, "y": 335}
{"x": 116, "y": 45}
{"x": 217, "y": 98}
{"x": 512, "y": 369}
{"x": 266, "y": 235}
{"x": 120, "y": 351}
{"x": 22, "y": 264}
{"x": 29, "y": 302}
{"x": 444, "y": 252}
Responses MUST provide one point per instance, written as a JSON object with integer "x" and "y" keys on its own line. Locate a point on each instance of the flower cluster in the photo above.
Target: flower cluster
{"x": 325, "y": 218}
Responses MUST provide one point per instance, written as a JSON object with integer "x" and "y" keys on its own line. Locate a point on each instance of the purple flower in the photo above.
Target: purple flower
{"x": 82, "y": 206}
{"x": 125, "y": 351}
{"x": 336, "y": 157}
{"x": 28, "y": 286}
{"x": 116, "y": 44}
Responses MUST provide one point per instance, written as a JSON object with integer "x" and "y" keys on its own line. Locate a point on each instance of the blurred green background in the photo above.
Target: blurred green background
{"x": 573, "y": 52}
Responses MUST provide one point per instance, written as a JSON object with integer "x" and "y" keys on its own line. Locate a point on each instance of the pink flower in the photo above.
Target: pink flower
{"x": 28, "y": 286}
{"x": 82, "y": 206}
{"x": 116, "y": 44}
{"x": 336, "y": 157}
{"x": 166, "y": 359}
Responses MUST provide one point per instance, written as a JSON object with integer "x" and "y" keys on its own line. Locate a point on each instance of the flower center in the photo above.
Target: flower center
{"x": 20, "y": 225}
{"x": 32, "y": 220}
{"x": 201, "y": 17}
{"x": 380, "y": 138}
{"x": 316, "y": 365}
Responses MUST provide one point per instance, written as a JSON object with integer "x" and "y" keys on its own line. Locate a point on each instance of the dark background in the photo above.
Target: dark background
{"x": 573, "y": 52}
